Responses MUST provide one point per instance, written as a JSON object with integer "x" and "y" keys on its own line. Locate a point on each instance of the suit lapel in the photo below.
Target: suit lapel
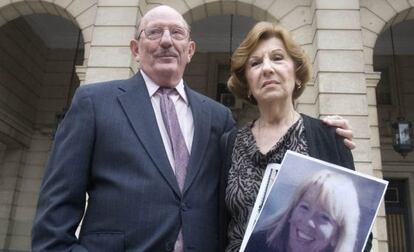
{"x": 202, "y": 121}
{"x": 137, "y": 106}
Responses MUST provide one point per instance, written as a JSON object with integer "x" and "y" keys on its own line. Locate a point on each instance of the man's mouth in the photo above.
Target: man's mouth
{"x": 167, "y": 55}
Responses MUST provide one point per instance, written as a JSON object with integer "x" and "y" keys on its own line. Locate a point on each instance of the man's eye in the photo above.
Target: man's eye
{"x": 154, "y": 31}
{"x": 178, "y": 31}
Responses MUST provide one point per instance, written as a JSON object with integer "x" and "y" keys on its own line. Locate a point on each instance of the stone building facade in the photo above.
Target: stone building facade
{"x": 37, "y": 81}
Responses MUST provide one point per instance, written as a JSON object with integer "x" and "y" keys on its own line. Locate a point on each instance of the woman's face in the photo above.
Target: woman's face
{"x": 270, "y": 71}
{"x": 311, "y": 228}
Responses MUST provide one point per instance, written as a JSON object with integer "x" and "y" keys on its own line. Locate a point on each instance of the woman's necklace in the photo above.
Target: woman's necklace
{"x": 266, "y": 141}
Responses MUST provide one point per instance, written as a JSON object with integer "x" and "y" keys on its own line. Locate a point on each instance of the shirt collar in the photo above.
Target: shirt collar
{"x": 153, "y": 87}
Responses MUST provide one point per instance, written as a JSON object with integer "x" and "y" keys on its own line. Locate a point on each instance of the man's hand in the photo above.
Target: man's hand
{"x": 343, "y": 129}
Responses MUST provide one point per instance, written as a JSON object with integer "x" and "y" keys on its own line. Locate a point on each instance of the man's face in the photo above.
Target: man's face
{"x": 163, "y": 59}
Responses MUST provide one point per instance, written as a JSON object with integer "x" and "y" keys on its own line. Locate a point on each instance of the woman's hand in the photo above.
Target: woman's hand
{"x": 343, "y": 129}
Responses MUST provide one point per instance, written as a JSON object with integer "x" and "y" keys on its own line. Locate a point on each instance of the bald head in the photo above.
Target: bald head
{"x": 160, "y": 11}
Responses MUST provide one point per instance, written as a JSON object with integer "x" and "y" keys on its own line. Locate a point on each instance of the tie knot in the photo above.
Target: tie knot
{"x": 165, "y": 91}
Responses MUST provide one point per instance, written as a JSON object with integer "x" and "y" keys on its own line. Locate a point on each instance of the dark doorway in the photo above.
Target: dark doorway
{"x": 396, "y": 207}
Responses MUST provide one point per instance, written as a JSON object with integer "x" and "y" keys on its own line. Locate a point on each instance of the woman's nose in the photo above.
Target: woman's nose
{"x": 311, "y": 223}
{"x": 267, "y": 67}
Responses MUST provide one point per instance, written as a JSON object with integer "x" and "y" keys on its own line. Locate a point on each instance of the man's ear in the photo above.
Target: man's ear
{"x": 191, "y": 50}
{"x": 133, "y": 45}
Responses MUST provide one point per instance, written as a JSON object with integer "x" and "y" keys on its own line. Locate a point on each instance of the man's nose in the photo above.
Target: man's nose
{"x": 166, "y": 39}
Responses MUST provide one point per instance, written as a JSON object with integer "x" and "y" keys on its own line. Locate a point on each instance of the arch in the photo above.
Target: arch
{"x": 285, "y": 12}
{"x": 220, "y": 8}
{"x": 376, "y": 17}
{"x": 80, "y": 12}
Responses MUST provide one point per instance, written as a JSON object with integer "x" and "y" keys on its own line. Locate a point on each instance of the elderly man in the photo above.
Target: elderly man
{"x": 146, "y": 151}
{"x": 151, "y": 176}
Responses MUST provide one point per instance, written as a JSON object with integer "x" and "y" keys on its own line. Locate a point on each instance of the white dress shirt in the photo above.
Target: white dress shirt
{"x": 182, "y": 107}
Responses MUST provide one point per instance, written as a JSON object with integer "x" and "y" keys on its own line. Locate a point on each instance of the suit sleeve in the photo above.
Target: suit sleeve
{"x": 230, "y": 123}
{"x": 62, "y": 196}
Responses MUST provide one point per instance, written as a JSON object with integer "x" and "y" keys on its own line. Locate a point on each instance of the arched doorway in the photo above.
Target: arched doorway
{"x": 40, "y": 47}
{"x": 394, "y": 96}
{"x": 216, "y": 38}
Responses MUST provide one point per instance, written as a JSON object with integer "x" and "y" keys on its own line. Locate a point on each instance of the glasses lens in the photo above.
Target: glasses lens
{"x": 176, "y": 32}
{"x": 153, "y": 32}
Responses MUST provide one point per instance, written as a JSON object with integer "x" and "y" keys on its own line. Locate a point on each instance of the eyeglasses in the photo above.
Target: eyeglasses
{"x": 156, "y": 32}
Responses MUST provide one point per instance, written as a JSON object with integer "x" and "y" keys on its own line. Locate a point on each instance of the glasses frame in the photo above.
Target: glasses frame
{"x": 162, "y": 34}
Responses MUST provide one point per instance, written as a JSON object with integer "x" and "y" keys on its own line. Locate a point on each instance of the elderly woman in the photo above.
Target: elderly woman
{"x": 269, "y": 70}
{"x": 321, "y": 217}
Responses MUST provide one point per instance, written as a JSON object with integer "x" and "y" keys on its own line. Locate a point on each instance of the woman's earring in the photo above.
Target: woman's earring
{"x": 249, "y": 94}
{"x": 298, "y": 84}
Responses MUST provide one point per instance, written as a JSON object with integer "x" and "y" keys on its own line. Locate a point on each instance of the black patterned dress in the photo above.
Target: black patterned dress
{"x": 246, "y": 173}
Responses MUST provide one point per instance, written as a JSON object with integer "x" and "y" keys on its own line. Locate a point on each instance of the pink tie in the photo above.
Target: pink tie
{"x": 179, "y": 148}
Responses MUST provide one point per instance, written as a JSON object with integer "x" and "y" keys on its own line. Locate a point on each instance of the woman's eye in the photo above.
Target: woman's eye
{"x": 304, "y": 207}
{"x": 277, "y": 57}
{"x": 254, "y": 63}
{"x": 325, "y": 217}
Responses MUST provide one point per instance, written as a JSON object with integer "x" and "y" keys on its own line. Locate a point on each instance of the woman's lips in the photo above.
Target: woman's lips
{"x": 303, "y": 236}
{"x": 270, "y": 82}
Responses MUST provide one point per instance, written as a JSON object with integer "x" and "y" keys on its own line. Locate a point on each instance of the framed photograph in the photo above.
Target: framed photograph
{"x": 315, "y": 206}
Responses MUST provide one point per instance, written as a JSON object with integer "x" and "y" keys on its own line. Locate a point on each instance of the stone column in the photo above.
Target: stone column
{"x": 10, "y": 181}
{"x": 341, "y": 84}
{"x": 81, "y": 73}
{"x": 380, "y": 229}
{"x": 110, "y": 56}
{"x": 5, "y": 202}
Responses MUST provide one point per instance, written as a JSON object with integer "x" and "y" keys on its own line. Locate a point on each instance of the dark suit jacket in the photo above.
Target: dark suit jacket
{"x": 109, "y": 146}
{"x": 323, "y": 143}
